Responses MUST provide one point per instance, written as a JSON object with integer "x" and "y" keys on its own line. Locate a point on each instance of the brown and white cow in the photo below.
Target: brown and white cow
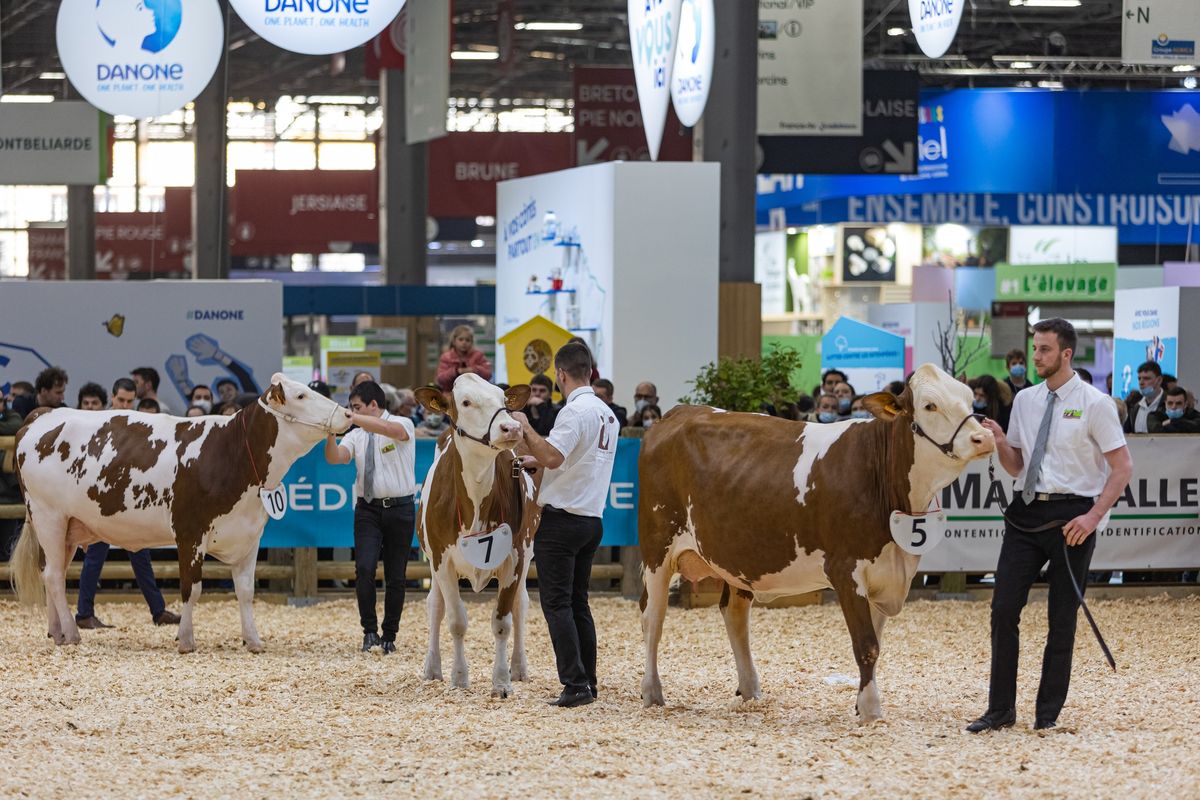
{"x": 469, "y": 494}
{"x": 774, "y": 507}
{"x": 139, "y": 480}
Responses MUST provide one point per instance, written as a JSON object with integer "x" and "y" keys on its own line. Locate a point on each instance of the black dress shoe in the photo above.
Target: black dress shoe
{"x": 1044, "y": 724}
{"x": 389, "y": 646}
{"x": 370, "y": 640}
{"x": 573, "y": 697}
{"x": 993, "y": 721}
{"x": 594, "y": 694}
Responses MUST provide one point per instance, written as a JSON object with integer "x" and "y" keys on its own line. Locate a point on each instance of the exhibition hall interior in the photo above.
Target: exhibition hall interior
{"x": 795, "y": 309}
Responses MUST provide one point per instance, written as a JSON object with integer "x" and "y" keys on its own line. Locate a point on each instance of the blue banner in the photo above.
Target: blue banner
{"x": 321, "y": 500}
{"x": 852, "y": 344}
{"x": 1026, "y": 157}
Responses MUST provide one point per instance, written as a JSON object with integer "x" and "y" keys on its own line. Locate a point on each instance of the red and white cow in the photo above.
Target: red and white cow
{"x": 139, "y": 480}
{"x": 773, "y": 507}
{"x": 477, "y": 521}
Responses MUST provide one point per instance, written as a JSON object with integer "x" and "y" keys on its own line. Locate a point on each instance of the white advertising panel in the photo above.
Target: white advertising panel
{"x": 192, "y": 332}
{"x": 1160, "y": 32}
{"x": 317, "y": 27}
{"x": 52, "y": 143}
{"x": 139, "y": 58}
{"x": 934, "y": 23}
{"x": 617, "y": 253}
{"x": 797, "y": 42}
{"x": 1155, "y": 523}
{"x": 1145, "y": 328}
{"x": 653, "y": 32}
{"x": 770, "y": 270}
{"x": 692, "y": 76}
{"x": 1062, "y": 244}
{"x": 427, "y": 69}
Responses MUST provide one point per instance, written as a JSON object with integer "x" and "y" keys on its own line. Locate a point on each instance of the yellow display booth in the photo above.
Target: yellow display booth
{"x": 529, "y": 349}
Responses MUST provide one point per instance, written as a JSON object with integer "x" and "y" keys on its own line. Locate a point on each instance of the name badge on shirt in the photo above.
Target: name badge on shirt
{"x": 388, "y": 447}
{"x": 1073, "y": 413}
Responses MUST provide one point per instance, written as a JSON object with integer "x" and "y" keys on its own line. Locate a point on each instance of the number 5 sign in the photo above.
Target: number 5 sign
{"x": 918, "y": 534}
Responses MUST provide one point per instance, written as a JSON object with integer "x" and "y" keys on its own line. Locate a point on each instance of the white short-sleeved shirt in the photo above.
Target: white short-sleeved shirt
{"x": 585, "y": 432}
{"x": 1084, "y": 427}
{"x": 395, "y": 462}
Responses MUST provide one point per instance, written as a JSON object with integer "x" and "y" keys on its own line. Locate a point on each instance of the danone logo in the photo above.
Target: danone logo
{"x": 692, "y": 76}
{"x": 318, "y": 27}
{"x": 140, "y": 58}
{"x": 934, "y": 23}
{"x": 221, "y": 314}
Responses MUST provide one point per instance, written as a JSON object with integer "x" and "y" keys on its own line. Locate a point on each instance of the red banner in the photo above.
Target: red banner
{"x": 133, "y": 242}
{"x": 608, "y": 120}
{"x": 303, "y": 211}
{"x": 464, "y": 168}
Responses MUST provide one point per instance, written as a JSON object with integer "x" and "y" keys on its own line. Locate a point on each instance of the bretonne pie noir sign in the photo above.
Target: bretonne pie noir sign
{"x": 317, "y": 27}
{"x": 139, "y": 58}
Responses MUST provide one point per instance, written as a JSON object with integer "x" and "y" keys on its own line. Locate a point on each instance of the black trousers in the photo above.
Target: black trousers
{"x": 565, "y": 545}
{"x": 385, "y": 532}
{"x": 1021, "y": 558}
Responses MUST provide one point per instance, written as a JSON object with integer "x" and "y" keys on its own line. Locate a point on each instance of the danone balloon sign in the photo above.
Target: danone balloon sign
{"x": 317, "y": 27}
{"x": 653, "y": 26}
{"x": 139, "y": 58}
{"x": 934, "y": 23}
{"x": 692, "y": 74}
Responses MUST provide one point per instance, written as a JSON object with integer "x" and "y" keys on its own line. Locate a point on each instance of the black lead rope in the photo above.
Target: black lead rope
{"x": 1087, "y": 613}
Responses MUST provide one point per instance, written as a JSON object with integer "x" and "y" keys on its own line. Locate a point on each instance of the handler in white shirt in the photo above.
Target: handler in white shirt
{"x": 578, "y": 456}
{"x": 384, "y": 456}
{"x": 1066, "y": 448}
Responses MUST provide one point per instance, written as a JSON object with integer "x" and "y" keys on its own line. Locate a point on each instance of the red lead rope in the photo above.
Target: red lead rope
{"x": 246, "y": 439}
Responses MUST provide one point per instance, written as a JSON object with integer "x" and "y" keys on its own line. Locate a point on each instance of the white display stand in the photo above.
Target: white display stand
{"x": 918, "y": 324}
{"x": 623, "y": 254}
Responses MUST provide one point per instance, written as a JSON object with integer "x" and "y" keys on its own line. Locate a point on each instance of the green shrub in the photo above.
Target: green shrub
{"x": 745, "y": 384}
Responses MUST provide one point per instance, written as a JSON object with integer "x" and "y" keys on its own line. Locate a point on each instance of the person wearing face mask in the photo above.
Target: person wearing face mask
{"x": 1015, "y": 361}
{"x": 992, "y": 399}
{"x": 1175, "y": 416}
{"x": 646, "y": 417}
{"x": 858, "y": 409}
{"x": 827, "y": 408}
{"x": 646, "y": 394}
{"x": 844, "y": 393}
{"x": 200, "y": 397}
{"x": 1146, "y": 399}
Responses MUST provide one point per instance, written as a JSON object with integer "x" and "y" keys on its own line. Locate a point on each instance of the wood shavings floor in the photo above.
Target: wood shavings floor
{"x": 123, "y": 715}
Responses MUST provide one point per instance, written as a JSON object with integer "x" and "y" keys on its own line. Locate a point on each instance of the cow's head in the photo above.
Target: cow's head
{"x": 296, "y": 404}
{"x": 938, "y": 408}
{"x": 478, "y": 410}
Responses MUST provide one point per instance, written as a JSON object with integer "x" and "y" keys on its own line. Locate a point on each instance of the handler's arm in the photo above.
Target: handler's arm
{"x": 1120, "y": 469}
{"x": 381, "y": 427}
{"x": 545, "y": 454}
{"x": 335, "y": 453}
{"x": 1010, "y": 457}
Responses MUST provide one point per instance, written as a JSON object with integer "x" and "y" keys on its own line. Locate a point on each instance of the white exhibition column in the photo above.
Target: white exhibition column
{"x": 623, "y": 254}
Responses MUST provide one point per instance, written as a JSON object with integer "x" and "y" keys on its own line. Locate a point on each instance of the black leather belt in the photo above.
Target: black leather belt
{"x": 387, "y": 502}
{"x": 1045, "y": 496}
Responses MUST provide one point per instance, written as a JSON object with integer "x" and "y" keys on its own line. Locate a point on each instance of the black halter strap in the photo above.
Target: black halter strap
{"x": 486, "y": 441}
{"x": 948, "y": 447}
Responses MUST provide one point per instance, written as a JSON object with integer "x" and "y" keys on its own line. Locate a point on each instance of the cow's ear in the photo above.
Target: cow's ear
{"x": 276, "y": 394}
{"x": 431, "y": 398}
{"x": 515, "y": 397}
{"x": 885, "y": 405}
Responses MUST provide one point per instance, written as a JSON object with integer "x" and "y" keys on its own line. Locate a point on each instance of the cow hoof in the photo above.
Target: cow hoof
{"x": 502, "y": 692}
{"x": 519, "y": 673}
{"x": 432, "y": 674}
{"x": 255, "y": 647}
{"x": 652, "y": 696}
{"x": 459, "y": 681}
{"x": 184, "y": 649}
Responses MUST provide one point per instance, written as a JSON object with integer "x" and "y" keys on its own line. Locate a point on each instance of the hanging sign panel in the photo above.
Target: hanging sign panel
{"x": 317, "y": 27}
{"x": 139, "y": 59}
{"x": 653, "y": 31}
{"x": 797, "y": 42}
{"x": 934, "y": 23}
{"x": 1160, "y": 32}
{"x": 427, "y": 72}
{"x": 53, "y": 143}
{"x": 692, "y": 75}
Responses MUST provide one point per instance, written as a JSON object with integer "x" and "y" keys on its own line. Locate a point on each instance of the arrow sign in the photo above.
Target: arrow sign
{"x": 903, "y": 161}
{"x": 653, "y": 30}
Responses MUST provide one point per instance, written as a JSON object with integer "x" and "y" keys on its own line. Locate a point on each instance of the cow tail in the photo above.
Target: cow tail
{"x": 26, "y": 567}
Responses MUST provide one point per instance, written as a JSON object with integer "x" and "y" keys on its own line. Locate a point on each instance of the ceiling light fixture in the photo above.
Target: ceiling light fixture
{"x": 1021, "y": 65}
{"x": 53, "y": 76}
{"x": 896, "y": 31}
{"x": 1050, "y": 84}
{"x": 1184, "y": 68}
{"x": 549, "y": 26}
{"x": 1046, "y": 3}
{"x": 1189, "y": 82}
{"x": 26, "y": 98}
{"x": 473, "y": 55}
